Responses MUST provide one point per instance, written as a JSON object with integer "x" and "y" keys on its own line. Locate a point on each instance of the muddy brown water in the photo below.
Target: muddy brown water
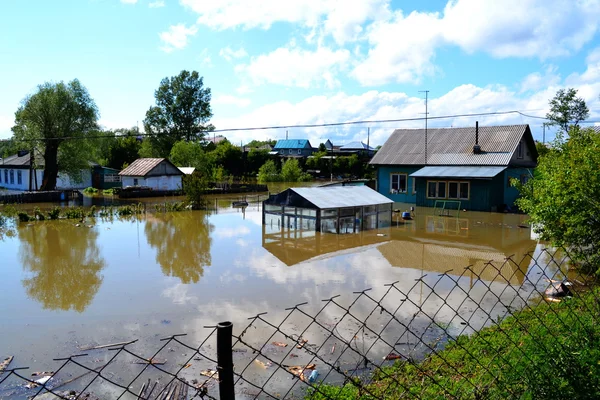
{"x": 105, "y": 281}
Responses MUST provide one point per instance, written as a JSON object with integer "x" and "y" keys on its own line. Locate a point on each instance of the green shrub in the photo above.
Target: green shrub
{"x": 108, "y": 192}
{"x": 54, "y": 213}
{"x": 38, "y": 214}
{"x": 90, "y": 190}
{"x": 23, "y": 216}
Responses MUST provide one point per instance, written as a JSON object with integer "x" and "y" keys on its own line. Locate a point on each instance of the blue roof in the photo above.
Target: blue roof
{"x": 292, "y": 144}
{"x": 355, "y": 146}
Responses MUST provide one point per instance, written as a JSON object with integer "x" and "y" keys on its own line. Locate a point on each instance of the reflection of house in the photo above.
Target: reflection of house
{"x": 293, "y": 148}
{"x": 156, "y": 173}
{"x": 473, "y": 166}
{"x": 16, "y": 171}
{"x": 335, "y": 209}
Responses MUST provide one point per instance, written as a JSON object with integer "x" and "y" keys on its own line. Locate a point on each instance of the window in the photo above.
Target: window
{"x": 19, "y": 178}
{"x": 520, "y": 150}
{"x": 299, "y": 151}
{"x": 12, "y": 176}
{"x": 524, "y": 179}
{"x": 290, "y": 151}
{"x": 436, "y": 189}
{"x": 135, "y": 181}
{"x": 398, "y": 183}
{"x": 5, "y": 176}
{"x": 458, "y": 190}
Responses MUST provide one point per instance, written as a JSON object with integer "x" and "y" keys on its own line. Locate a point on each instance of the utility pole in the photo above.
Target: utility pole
{"x": 368, "y": 136}
{"x": 426, "y": 113}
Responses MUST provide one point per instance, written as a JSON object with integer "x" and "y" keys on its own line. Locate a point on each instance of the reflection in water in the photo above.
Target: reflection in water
{"x": 428, "y": 243}
{"x": 65, "y": 263}
{"x": 182, "y": 241}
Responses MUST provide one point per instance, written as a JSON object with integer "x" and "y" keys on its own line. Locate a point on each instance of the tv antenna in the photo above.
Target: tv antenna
{"x": 426, "y": 113}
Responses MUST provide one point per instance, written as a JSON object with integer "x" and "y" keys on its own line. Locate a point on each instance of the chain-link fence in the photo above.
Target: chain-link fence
{"x": 449, "y": 335}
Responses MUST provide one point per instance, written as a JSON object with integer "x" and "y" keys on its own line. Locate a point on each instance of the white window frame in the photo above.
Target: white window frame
{"x": 19, "y": 177}
{"x": 289, "y": 151}
{"x": 299, "y": 151}
{"x": 458, "y": 183}
{"x": 437, "y": 189}
{"x": 394, "y": 191}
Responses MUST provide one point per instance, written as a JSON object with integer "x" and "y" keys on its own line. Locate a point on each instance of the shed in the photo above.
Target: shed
{"x": 156, "y": 173}
{"x": 335, "y": 209}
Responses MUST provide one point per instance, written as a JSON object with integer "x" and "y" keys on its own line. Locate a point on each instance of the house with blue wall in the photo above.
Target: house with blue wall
{"x": 470, "y": 167}
{"x": 293, "y": 148}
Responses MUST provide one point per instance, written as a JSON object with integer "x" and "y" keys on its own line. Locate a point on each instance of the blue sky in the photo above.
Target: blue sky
{"x": 274, "y": 62}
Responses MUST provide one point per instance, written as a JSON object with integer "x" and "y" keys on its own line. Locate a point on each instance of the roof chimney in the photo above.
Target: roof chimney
{"x": 476, "y": 148}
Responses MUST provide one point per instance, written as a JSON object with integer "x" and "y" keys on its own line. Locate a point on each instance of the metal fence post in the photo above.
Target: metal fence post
{"x": 225, "y": 360}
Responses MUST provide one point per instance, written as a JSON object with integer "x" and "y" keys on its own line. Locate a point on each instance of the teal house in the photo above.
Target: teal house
{"x": 470, "y": 168}
{"x": 300, "y": 148}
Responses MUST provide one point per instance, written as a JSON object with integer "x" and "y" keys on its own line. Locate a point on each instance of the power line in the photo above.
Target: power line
{"x": 300, "y": 126}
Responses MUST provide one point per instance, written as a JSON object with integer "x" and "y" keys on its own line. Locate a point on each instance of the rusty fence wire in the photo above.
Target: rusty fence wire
{"x": 349, "y": 339}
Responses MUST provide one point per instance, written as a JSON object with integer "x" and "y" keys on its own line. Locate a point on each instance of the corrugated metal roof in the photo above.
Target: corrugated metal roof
{"x": 23, "y": 161}
{"x": 141, "y": 166}
{"x": 355, "y": 146}
{"x": 341, "y": 196}
{"x": 292, "y": 144}
{"x": 457, "y": 172}
{"x": 451, "y": 146}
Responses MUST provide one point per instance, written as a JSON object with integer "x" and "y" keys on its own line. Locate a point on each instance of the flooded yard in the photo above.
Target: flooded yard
{"x": 67, "y": 285}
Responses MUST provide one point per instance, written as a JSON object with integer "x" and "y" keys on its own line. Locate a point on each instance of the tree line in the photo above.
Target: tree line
{"x": 59, "y": 122}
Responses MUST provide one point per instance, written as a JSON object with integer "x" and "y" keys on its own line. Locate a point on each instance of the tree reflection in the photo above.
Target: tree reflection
{"x": 182, "y": 241}
{"x": 65, "y": 263}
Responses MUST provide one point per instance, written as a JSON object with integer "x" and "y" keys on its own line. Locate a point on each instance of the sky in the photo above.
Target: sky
{"x": 293, "y": 62}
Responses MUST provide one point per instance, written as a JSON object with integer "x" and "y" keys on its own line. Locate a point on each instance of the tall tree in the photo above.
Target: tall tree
{"x": 124, "y": 148}
{"x": 182, "y": 112}
{"x": 566, "y": 110}
{"x": 57, "y": 119}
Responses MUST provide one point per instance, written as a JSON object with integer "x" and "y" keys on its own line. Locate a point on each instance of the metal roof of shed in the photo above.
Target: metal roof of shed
{"x": 292, "y": 144}
{"x": 458, "y": 172}
{"x": 342, "y": 196}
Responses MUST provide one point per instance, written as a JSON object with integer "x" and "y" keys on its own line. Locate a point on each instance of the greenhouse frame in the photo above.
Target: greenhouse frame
{"x": 333, "y": 209}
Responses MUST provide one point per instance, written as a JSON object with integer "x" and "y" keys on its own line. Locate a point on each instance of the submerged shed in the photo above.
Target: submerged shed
{"x": 335, "y": 209}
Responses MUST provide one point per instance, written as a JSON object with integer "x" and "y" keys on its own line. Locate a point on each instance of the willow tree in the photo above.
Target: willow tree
{"x": 56, "y": 120}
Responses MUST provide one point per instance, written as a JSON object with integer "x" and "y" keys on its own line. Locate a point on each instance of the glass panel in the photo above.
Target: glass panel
{"x": 329, "y": 225}
{"x": 273, "y": 208}
{"x": 385, "y": 207}
{"x": 464, "y": 190}
{"x": 370, "y": 222}
{"x": 431, "y": 187}
{"x": 345, "y": 212}
{"x": 453, "y": 190}
{"x": 385, "y": 219}
{"x": 441, "y": 190}
{"x": 329, "y": 213}
{"x": 369, "y": 209}
{"x": 290, "y": 210}
{"x": 347, "y": 225}
{"x": 402, "y": 183}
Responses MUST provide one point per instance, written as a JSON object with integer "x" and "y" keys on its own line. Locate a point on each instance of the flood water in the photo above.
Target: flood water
{"x": 107, "y": 281}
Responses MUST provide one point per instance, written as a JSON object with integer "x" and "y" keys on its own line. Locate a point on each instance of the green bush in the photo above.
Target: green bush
{"x": 23, "y": 216}
{"x": 108, "y": 192}
{"x": 90, "y": 190}
{"x": 54, "y": 213}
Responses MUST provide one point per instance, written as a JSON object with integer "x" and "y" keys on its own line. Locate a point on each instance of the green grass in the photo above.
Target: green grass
{"x": 548, "y": 351}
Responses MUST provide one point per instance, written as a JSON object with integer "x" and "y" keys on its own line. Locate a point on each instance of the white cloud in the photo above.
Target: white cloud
{"x": 402, "y": 49}
{"x": 205, "y": 59}
{"x": 129, "y": 1}
{"x": 229, "y": 54}
{"x": 340, "y": 18}
{"x": 517, "y": 28}
{"x": 296, "y": 67}
{"x": 231, "y": 100}
{"x": 157, "y": 4}
{"x": 176, "y": 38}
{"x": 539, "y": 80}
{"x": 232, "y": 232}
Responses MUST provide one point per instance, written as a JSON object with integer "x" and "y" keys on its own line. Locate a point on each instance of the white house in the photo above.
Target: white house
{"x": 156, "y": 173}
{"x": 16, "y": 169}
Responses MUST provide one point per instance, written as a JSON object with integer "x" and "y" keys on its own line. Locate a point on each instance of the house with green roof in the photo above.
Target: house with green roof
{"x": 299, "y": 148}
{"x": 472, "y": 167}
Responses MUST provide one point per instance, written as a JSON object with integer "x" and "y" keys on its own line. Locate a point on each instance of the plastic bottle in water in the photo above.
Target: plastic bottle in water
{"x": 313, "y": 376}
